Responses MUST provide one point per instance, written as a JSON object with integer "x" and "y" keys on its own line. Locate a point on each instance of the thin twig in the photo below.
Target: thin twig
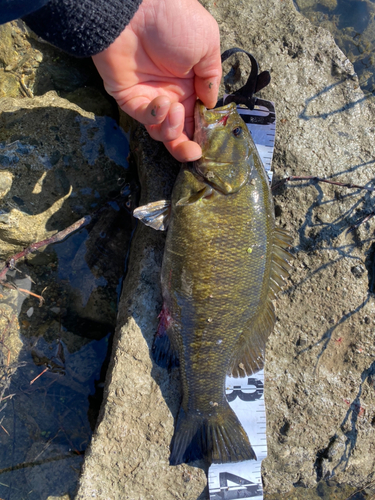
{"x": 61, "y": 235}
{"x": 40, "y": 374}
{"x": 365, "y": 219}
{"x": 361, "y": 489}
{"x": 4, "y": 429}
{"x": 9, "y": 396}
{"x": 24, "y": 465}
{"x": 41, "y": 299}
{"x": 319, "y": 179}
{"x": 341, "y": 184}
{"x": 46, "y": 445}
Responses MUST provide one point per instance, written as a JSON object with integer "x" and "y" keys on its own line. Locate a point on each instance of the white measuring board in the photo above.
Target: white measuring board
{"x": 261, "y": 122}
{"x": 243, "y": 479}
{"x": 246, "y": 395}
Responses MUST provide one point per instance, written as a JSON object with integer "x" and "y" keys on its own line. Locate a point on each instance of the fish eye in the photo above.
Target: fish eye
{"x": 237, "y": 131}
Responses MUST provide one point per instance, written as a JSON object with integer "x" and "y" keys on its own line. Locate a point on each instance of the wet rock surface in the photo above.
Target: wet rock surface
{"x": 320, "y": 357}
{"x": 31, "y": 67}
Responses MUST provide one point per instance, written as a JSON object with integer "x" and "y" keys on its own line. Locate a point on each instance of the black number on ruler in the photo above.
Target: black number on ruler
{"x": 247, "y": 488}
{"x": 245, "y": 396}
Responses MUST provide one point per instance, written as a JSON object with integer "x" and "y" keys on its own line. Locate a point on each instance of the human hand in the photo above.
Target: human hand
{"x": 166, "y": 57}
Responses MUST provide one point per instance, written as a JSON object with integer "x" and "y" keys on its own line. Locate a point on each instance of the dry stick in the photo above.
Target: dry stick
{"x": 319, "y": 179}
{"x": 361, "y": 489}
{"x": 35, "y": 246}
{"x": 4, "y": 429}
{"x": 9, "y": 396}
{"x": 367, "y": 218}
{"x": 341, "y": 184}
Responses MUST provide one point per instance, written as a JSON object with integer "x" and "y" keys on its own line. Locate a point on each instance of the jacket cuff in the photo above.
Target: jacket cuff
{"x": 82, "y": 28}
{"x": 13, "y": 9}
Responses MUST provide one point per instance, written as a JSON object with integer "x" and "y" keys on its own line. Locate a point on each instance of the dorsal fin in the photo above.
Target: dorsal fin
{"x": 248, "y": 356}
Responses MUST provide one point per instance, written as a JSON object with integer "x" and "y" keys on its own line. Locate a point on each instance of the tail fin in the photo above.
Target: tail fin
{"x": 218, "y": 437}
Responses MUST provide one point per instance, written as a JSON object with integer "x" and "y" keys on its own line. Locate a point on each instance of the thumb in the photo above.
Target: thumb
{"x": 207, "y": 77}
{"x": 207, "y": 89}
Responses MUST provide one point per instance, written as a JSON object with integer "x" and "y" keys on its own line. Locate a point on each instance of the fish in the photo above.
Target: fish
{"x": 223, "y": 264}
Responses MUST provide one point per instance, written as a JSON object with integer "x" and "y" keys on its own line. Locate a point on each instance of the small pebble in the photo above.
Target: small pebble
{"x": 357, "y": 271}
{"x": 30, "y": 312}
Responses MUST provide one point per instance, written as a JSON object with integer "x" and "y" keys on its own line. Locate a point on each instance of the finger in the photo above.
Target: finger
{"x": 171, "y": 128}
{"x": 147, "y": 112}
{"x": 184, "y": 150}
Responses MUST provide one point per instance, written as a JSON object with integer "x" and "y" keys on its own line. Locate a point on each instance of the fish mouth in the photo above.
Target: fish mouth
{"x": 204, "y": 117}
{"x": 200, "y": 121}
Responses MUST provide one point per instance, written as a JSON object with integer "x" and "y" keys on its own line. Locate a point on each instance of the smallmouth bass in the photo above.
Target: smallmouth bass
{"x": 223, "y": 263}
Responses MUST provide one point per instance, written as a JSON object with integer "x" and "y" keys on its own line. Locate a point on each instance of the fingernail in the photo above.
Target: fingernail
{"x": 192, "y": 158}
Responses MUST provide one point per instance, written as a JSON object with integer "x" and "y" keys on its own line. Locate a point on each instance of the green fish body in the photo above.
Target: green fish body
{"x": 223, "y": 263}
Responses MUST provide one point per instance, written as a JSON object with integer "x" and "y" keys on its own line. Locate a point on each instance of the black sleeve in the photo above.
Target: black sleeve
{"x": 13, "y": 9}
{"x": 81, "y": 27}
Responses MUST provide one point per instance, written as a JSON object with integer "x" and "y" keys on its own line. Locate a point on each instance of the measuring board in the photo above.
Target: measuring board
{"x": 243, "y": 479}
{"x": 246, "y": 395}
{"x": 261, "y": 122}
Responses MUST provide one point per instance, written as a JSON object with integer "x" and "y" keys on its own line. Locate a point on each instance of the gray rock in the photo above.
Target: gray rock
{"x": 325, "y": 128}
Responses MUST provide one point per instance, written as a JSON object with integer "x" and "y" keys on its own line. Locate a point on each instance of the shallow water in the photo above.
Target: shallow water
{"x": 352, "y": 24}
{"x": 55, "y": 355}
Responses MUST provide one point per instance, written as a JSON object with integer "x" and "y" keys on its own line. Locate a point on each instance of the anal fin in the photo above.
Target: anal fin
{"x": 248, "y": 356}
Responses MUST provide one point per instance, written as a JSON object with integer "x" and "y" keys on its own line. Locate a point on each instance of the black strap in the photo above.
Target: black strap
{"x": 255, "y": 82}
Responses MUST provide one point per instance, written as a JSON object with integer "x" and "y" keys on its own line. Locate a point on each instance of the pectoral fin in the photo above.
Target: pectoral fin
{"x": 195, "y": 197}
{"x": 155, "y": 215}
